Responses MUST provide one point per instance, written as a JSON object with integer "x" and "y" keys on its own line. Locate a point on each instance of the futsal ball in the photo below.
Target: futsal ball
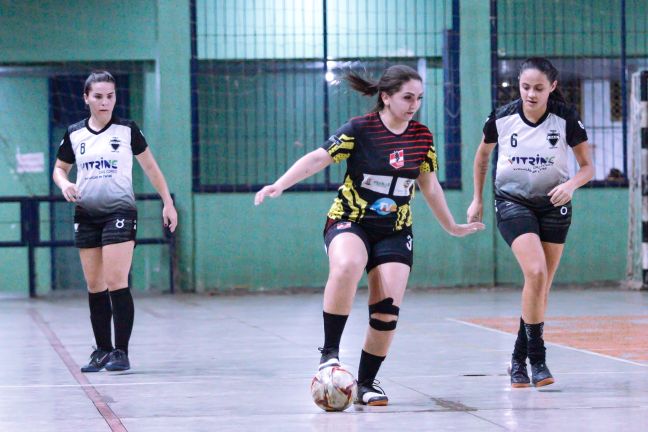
{"x": 334, "y": 388}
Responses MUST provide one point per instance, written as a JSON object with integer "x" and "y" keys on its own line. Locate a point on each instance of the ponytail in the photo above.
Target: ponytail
{"x": 557, "y": 95}
{"x": 390, "y": 82}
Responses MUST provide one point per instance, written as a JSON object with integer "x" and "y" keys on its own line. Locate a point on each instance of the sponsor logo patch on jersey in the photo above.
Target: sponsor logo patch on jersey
{"x": 343, "y": 225}
{"x": 536, "y": 160}
{"x": 553, "y": 136}
{"x": 376, "y": 183}
{"x": 384, "y": 206}
{"x": 403, "y": 186}
{"x": 110, "y": 164}
{"x": 397, "y": 159}
{"x": 114, "y": 143}
{"x": 383, "y": 184}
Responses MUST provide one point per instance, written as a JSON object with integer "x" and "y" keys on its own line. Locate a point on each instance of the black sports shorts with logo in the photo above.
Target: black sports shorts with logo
{"x": 550, "y": 223}
{"x": 93, "y": 232}
{"x": 382, "y": 248}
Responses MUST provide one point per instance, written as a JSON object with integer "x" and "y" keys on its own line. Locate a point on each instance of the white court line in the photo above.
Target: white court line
{"x": 17, "y": 386}
{"x": 551, "y": 343}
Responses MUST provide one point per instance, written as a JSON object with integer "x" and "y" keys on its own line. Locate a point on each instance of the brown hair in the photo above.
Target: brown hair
{"x": 95, "y": 77}
{"x": 546, "y": 67}
{"x": 390, "y": 82}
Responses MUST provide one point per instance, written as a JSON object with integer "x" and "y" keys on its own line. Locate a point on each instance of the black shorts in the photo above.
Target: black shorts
{"x": 551, "y": 224}
{"x": 381, "y": 248}
{"x": 110, "y": 229}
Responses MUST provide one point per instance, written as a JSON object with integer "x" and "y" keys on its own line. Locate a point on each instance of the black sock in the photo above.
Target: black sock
{"x": 368, "y": 368}
{"x": 333, "y": 328}
{"x": 520, "y": 349}
{"x": 123, "y": 315}
{"x": 100, "y": 315}
{"x": 535, "y": 343}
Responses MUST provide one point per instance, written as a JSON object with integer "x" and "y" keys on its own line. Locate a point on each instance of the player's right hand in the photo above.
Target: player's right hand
{"x": 462, "y": 230}
{"x": 475, "y": 212}
{"x": 70, "y": 193}
{"x": 270, "y": 190}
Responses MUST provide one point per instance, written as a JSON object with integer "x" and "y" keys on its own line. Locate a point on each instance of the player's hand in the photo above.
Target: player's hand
{"x": 475, "y": 212}
{"x": 170, "y": 217}
{"x": 561, "y": 194}
{"x": 270, "y": 190}
{"x": 70, "y": 193}
{"x": 462, "y": 230}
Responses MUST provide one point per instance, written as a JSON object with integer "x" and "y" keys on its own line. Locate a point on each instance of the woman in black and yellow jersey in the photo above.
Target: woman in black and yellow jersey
{"x": 369, "y": 225}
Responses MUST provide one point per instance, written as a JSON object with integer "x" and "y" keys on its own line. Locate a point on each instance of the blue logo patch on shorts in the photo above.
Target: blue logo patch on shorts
{"x": 384, "y": 206}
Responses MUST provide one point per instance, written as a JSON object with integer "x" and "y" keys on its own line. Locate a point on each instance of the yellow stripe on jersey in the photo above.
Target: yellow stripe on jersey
{"x": 342, "y": 149}
{"x": 430, "y": 162}
{"x": 404, "y": 217}
{"x": 354, "y": 201}
{"x": 337, "y": 209}
{"x": 352, "y": 207}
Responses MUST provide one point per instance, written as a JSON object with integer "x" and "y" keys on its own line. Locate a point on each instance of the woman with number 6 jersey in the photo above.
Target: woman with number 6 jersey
{"x": 369, "y": 225}
{"x": 533, "y": 194}
{"x": 105, "y": 219}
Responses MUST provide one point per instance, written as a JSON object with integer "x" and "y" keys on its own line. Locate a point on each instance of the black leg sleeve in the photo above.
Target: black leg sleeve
{"x": 100, "y": 316}
{"x": 123, "y": 316}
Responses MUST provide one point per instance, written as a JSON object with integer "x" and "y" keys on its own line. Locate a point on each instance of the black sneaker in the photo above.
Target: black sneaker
{"x": 118, "y": 361}
{"x": 98, "y": 360}
{"x": 517, "y": 369}
{"x": 330, "y": 357}
{"x": 540, "y": 375}
{"x": 369, "y": 393}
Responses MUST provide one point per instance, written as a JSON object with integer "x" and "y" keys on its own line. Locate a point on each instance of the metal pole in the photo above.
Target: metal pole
{"x": 327, "y": 172}
{"x": 624, "y": 88}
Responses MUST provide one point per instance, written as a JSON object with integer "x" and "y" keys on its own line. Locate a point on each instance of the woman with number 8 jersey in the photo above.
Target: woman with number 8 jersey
{"x": 369, "y": 225}
{"x": 533, "y": 195}
{"x": 105, "y": 220}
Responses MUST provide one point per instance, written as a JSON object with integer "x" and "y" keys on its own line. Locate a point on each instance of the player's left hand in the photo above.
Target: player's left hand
{"x": 561, "y": 194}
{"x": 462, "y": 230}
{"x": 170, "y": 217}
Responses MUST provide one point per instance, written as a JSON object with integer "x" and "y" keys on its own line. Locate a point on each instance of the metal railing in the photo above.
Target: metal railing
{"x": 30, "y": 236}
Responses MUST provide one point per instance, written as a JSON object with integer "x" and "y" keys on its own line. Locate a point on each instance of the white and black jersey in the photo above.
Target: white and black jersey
{"x": 104, "y": 161}
{"x": 532, "y": 157}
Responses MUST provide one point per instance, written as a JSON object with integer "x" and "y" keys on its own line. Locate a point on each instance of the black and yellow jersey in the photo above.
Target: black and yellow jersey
{"x": 382, "y": 168}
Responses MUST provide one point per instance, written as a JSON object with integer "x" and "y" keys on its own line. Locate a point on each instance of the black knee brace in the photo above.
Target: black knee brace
{"x": 385, "y": 306}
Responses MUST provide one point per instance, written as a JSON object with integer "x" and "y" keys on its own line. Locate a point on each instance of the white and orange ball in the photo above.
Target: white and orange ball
{"x": 334, "y": 388}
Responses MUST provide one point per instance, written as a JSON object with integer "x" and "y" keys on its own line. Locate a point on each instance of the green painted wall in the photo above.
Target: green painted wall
{"x": 279, "y": 244}
{"x": 596, "y": 248}
{"x": 77, "y": 30}
{"x": 23, "y": 129}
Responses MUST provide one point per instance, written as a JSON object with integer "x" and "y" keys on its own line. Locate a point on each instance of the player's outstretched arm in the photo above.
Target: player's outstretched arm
{"x": 154, "y": 174}
{"x": 431, "y": 190}
{"x": 309, "y": 164}
{"x": 475, "y": 212}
